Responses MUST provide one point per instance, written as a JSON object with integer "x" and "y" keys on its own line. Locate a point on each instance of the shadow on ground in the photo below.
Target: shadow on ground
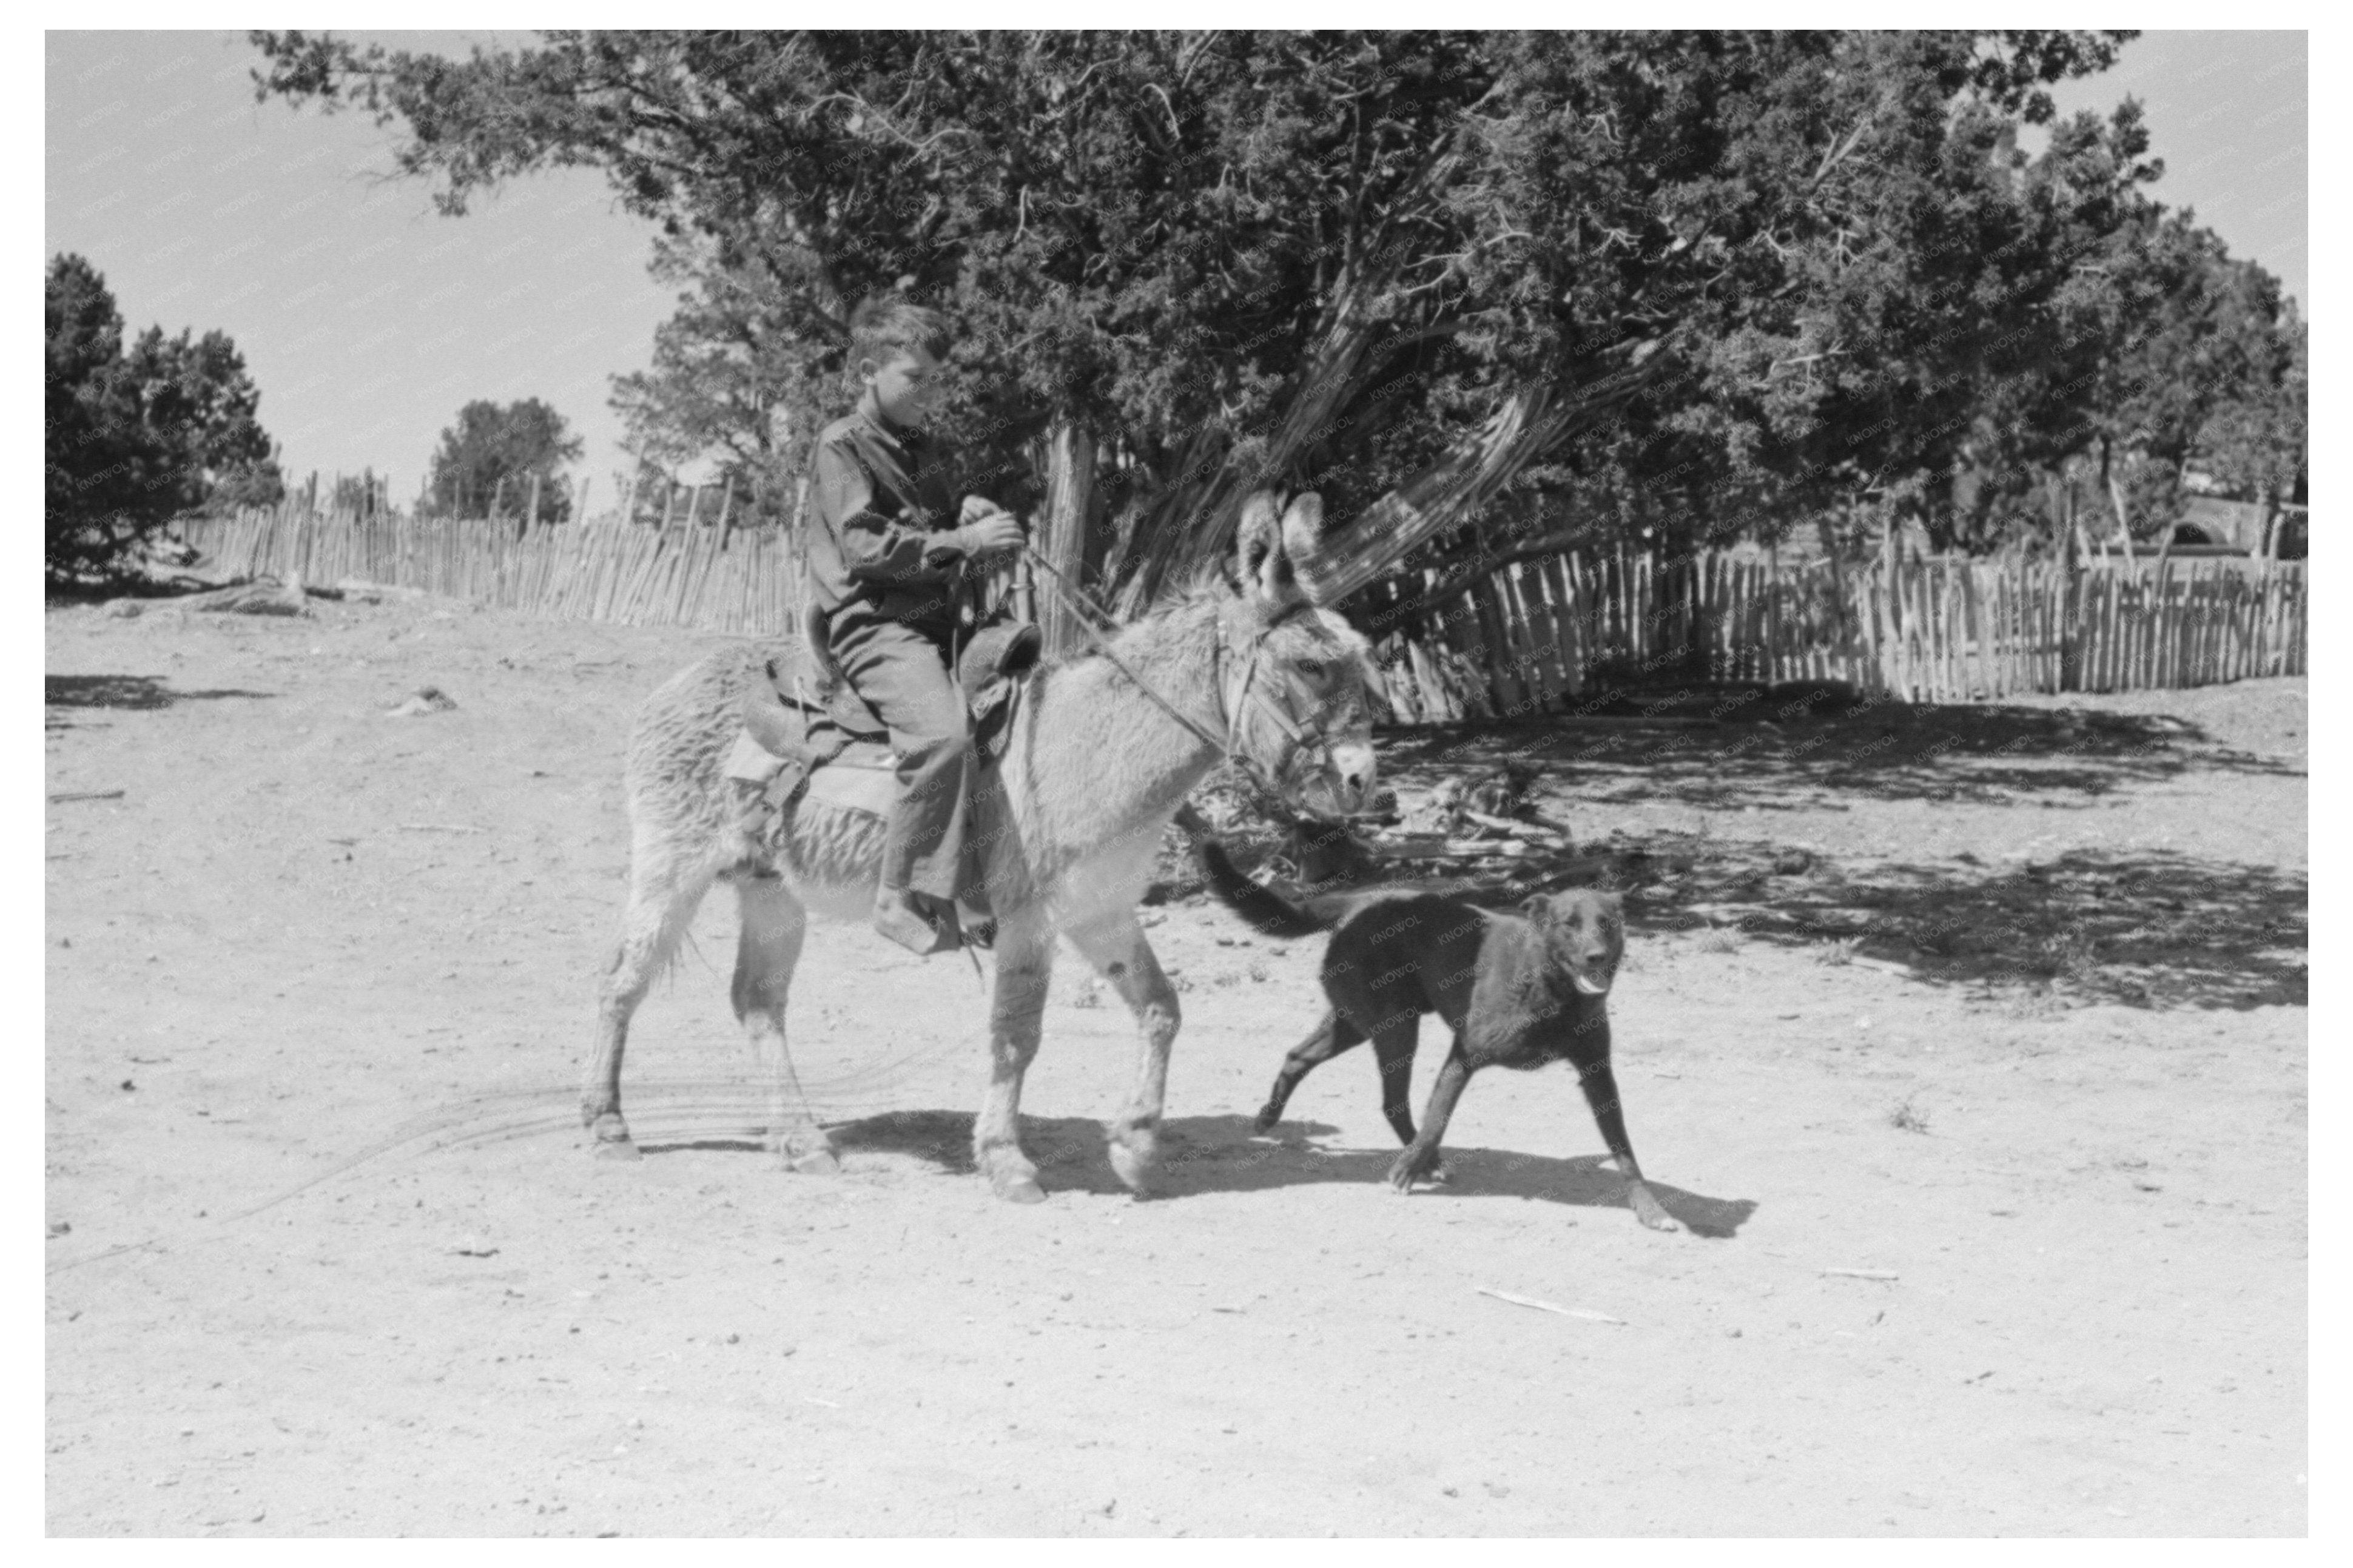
{"x": 1203, "y": 1155}
{"x": 2134, "y": 928}
{"x": 2145, "y": 930}
{"x": 1987, "y": 753}
{"x": 138, "y": 692}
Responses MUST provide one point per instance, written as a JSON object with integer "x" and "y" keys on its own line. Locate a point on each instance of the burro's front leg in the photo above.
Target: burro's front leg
{"x": 1025, "y": 958}
{"x": 1115, "y": 944}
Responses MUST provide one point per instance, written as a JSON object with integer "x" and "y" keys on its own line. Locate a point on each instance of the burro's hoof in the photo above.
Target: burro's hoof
{"x": 1134, "y": 1155}
{"x": 1017, "y": 1187}
{"x": 815, "y": 1162}
{"x": 1266, "y": 1119}
{"x": 611, "y": 1135}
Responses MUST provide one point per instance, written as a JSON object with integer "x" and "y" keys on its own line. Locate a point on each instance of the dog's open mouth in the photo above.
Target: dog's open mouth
{"x": 1589, "y": 983}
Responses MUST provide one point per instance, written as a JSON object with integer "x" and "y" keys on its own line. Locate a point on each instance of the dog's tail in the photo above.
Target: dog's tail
{"x": 1267, "y": 911}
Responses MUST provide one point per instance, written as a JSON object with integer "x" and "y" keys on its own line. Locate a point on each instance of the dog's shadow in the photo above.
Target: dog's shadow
{"x": 1223, "y": 1154}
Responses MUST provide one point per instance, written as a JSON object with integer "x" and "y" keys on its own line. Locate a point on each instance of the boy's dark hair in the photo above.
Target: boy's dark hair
{"x": 885, "y": 323}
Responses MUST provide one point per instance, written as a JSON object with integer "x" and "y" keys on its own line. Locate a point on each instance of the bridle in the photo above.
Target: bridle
{"x": 1308, "y": 739}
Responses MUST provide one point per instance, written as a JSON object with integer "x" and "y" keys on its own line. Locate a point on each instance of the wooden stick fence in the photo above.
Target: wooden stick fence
{"x": 718, "y": 579}
{"x": 1535, "y": 637}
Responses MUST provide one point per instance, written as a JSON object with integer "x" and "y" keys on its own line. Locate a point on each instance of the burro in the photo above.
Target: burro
{"x": 1104, "y": 747}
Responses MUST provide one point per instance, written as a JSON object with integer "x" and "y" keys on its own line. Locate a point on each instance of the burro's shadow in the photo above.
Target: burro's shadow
{"x": 1202, "y": 1154}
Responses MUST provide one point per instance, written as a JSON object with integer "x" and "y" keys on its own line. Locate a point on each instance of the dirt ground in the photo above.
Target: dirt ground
{"x": 1969, "y": 1044}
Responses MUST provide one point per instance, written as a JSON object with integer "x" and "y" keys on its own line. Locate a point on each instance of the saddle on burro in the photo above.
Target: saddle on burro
{"x": 900, "y": 682}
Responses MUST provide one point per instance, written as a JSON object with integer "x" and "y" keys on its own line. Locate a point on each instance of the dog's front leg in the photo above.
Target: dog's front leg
{"x": 1419, "y": 1161}
{"x": 1600, "y": 1086}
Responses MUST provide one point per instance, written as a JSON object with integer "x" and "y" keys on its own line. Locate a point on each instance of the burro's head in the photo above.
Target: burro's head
{"x": 1584, "y": 936}
{"x": 1296, "y": 679}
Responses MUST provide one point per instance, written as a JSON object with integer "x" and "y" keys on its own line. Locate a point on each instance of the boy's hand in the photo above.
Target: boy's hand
{"x": 989, "y": 529}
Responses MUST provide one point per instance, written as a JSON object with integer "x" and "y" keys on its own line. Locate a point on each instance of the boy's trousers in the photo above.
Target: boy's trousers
{"x": 903, "y": 671}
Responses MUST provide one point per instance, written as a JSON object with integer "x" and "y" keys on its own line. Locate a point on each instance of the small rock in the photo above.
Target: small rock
{"x": 59, "y": 1227}
{"x": 428, "y": 700}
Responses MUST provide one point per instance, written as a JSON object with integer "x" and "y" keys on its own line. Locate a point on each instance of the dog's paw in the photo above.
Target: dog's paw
{"x": 1648, "y": 1209}
{"x": 1412, "y": 1167}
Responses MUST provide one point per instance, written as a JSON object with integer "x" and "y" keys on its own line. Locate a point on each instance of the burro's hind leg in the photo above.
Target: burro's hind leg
{"x": 1327, "y": 1040}
{"x": 1600, "y": 1086}
{"x": 766, "y": 952}
{"x": 665, "y": 888}
{"x": 1115, "y": 944}
{"x": 1025, "y": 957}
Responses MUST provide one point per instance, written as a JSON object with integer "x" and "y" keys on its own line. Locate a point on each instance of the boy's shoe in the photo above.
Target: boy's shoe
{"x": 915, "y": 921}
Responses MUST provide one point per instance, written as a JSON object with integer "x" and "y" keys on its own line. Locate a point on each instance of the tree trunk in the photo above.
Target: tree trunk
{"x": 1063, "y": 539}
{"x": 2109, "y": 482}
{"x": 2071, "y": 650}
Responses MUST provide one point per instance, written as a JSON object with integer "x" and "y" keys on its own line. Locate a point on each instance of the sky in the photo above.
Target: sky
{"x": 2227, "y": 113}
{"x": 367, "y": 319}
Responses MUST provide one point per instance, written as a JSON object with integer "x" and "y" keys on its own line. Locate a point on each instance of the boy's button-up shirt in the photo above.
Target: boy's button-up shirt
{"x": 884, "y": 523}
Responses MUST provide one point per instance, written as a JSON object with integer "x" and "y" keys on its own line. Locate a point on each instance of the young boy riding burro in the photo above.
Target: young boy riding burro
{"x": 894, "y": 574}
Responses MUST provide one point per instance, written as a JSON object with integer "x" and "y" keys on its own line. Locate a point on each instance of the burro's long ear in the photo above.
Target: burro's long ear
{"x": 1262, "y": 561}
{"x": 1302, "y": 542}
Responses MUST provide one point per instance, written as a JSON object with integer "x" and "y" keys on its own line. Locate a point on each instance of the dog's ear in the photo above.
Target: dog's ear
{"x": 1538, "y": 906}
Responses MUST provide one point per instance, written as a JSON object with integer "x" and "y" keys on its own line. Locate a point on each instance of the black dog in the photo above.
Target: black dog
{"x": 1519, "y": 991}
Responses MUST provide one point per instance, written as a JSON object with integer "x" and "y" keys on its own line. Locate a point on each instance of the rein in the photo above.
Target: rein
{"x": 1228, "y": 745}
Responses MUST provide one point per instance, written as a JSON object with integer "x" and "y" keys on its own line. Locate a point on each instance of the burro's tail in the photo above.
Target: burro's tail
{"x": 1267, "y": 911}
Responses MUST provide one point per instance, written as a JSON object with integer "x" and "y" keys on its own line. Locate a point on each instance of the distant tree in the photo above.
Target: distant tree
{"x": 2257, "y": 438}
{"x": 731, "y": 379}
{"x": 108, "y": 482}
{"x": 486, "y": 459}
{"x": 134, "y": 439}
{"x": 199, "y": 400}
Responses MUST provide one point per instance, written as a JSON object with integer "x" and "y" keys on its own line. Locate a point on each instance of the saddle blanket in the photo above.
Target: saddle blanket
{"x": 862, "y": 776}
